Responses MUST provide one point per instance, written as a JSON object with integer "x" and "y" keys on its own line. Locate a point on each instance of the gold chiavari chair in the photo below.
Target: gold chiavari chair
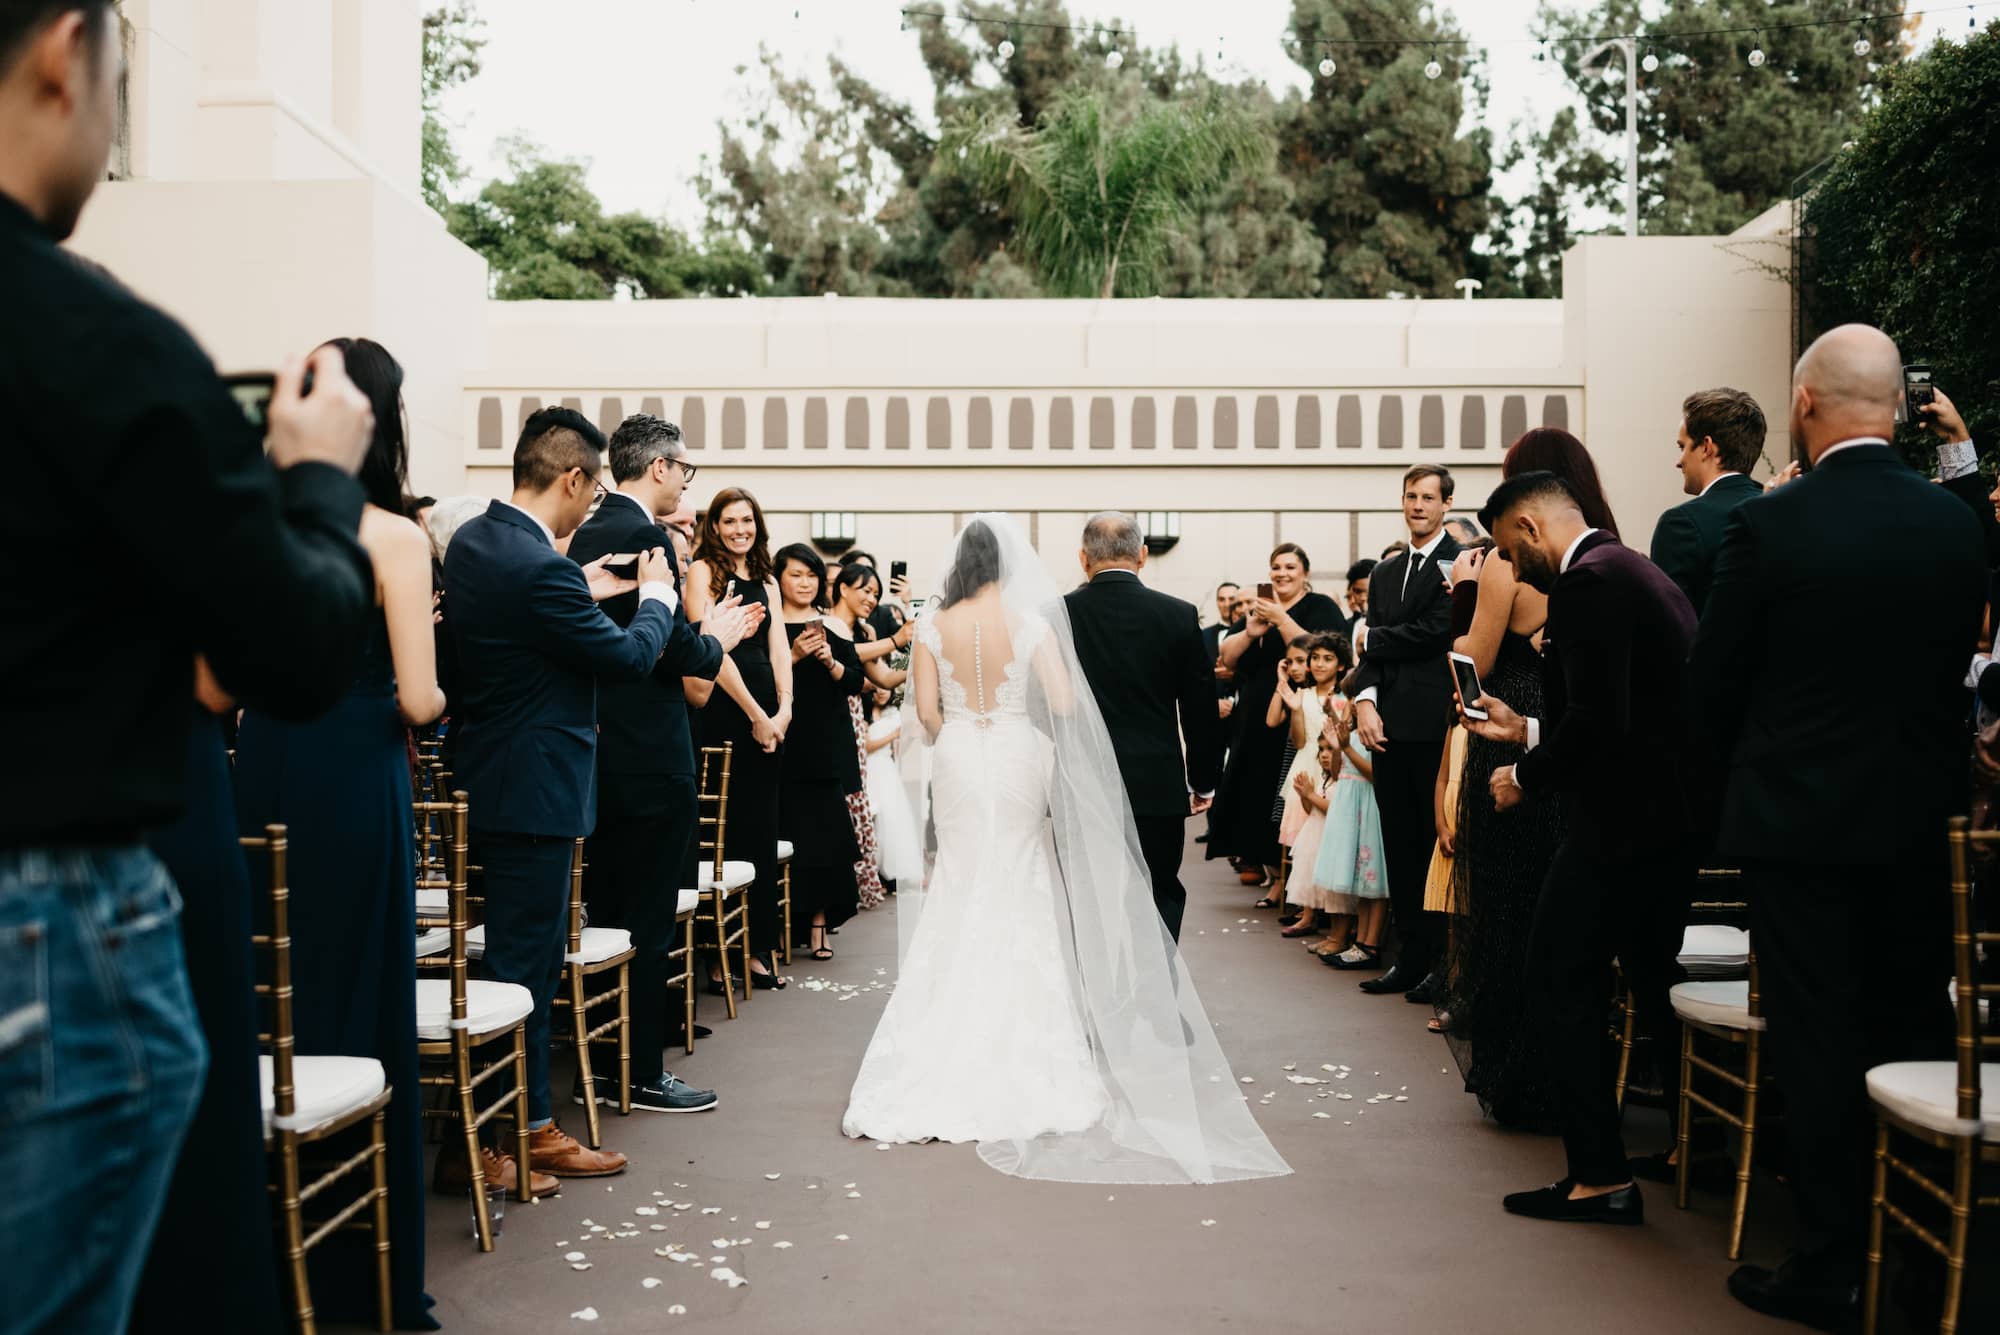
{"x": 1953, "y": 1106}
{"x": 724, "y": 886}
{"x": 456, "y": 1015}
{"x": 593, "y": 951}
{"x": 1710, "y": 952}
{"x": 308, "y": 1100}
{"x": 785, "y": 852}
{"x": 1724, "y": 1012}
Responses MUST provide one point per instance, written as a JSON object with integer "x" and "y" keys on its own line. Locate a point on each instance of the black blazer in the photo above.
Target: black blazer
{"x": 1835, "y": 758}
{"x": 531, "y": 646}
{"x": 1408, "y": 638}
{"x": 1150, "y": 670}
{"x": 1688, "y": 536}
{"x": 642, "y": 726}
{"x": 1617, "y": 740}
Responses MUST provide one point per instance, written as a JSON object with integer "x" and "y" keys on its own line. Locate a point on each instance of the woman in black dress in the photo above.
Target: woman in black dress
{"x": 1502, "y": 858}
{"x": 341, "y": 783}
{"x": 822, "y": 764}
{"x": 1244, "y": 827}
{"x": 751, "y": 709}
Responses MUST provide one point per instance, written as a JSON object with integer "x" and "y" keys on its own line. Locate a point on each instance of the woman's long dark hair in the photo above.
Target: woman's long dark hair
{"x": 721, "y": 562}
{"x": 1550, "y": 449}
{"x": 385, "y": 472}
{"x": 977, "y": 566}
{"x": 808, "y": 558}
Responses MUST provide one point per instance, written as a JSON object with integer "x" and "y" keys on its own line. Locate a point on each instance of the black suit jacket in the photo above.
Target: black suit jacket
{"x": 1148, "y": 666}
{"x": 1618, "y": 741}
{"x": 1688, "y": 536}
{"x": 1409, "y": 634}
{"x": 1211, "y": 644}
{"x": 1835, "y": 758}
{"x": 642, "y": 726}
{"x": 531, "y": 646}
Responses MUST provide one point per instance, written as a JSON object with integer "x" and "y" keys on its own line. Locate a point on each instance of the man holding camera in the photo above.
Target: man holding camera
{"x": 197, "y": 544}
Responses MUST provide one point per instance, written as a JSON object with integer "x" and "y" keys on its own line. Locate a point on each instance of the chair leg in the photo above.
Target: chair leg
{"x": 785, "y": 889}
{"x": 524, "y": 1173}
{"x": 579, "y": 1028}
{"x": 722, "y": 953}
{"x": 468, "y": 1123}
{"x": 1871, "y": 1298}
{"x": 625, "y": 1040}
{"x": 384, "y": 1314}
{"x": 687, "y": 991}
{"x": 1625, "y": 1047}
{"x": 1965, "y": 1156}
{"x": 746, "y": 942}
{"x": 1683, "y": 1156}
{"x": 291, "y": 1208}
{"x": 1752, "y": 1052}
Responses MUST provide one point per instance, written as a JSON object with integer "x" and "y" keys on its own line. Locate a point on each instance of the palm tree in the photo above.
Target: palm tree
{"x": 1094, "y": 195}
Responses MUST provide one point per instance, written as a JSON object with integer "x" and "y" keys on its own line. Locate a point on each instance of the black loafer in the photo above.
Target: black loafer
{"x": 1833, "y": 1305}
{"x": 1398, "y": 979}
{"x": 1623, "y": 1206}
{"x": 1427, "y": 993}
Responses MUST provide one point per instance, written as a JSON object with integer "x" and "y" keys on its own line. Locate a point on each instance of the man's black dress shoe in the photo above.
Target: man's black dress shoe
{"x": 1623, "y": 1206}
{"x": 1398, "y": 979}
{"x": 1427, "y": 993}
{"x": 1823, "y": 1303}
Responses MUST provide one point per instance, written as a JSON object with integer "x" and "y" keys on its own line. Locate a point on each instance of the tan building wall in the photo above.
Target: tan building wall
{"x": 269, "y": 199}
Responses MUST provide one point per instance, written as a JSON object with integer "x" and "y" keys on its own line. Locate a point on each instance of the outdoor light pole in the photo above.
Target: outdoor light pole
{"x": 1630, "y": 49}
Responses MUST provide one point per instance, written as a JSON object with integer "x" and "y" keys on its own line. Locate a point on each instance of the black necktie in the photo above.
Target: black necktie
{"x": 1410, "y": 570}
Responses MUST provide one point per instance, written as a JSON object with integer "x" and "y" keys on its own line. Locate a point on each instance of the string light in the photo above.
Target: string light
{"x": 1862, "y": 46}
{"x": 1326, "y": 67}
{"x": 1757, "y": 53}
{"x": 1650, "y": 63}
{"x": 1115, "y": 59}
{"x": 1432, "y": 69}
{"x": 1006, "y": 49}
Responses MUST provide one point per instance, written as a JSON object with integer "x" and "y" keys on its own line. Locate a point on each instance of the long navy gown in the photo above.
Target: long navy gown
{"x": 341, "y": 784}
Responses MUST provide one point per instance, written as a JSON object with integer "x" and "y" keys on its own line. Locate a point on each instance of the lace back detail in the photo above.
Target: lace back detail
{"x": 1009, "y": 699}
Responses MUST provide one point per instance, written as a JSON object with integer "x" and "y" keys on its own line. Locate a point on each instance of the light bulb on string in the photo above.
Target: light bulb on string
{"x": 1115, "y": 59}
{"x": 1862, "y": 46}
{"x": 1650, "y": 63}
{"x": 1326, "y": 67}
{"x": 1757, "y": 54}
{"x": 1006, "y": 49}
{"x": 1433, "y": 69}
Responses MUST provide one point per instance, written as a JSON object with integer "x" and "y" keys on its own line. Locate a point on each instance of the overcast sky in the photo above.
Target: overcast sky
{"x": 637, "y": 86}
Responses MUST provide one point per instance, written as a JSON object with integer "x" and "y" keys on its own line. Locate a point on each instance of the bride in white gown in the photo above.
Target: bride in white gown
{"x": 1042, "y": 1009}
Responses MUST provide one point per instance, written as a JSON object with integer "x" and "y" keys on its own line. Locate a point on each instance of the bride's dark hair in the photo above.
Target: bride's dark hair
{"x": 977, "y": 566}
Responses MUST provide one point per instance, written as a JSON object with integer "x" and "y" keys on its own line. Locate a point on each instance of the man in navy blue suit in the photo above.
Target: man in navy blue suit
{"x": 532, "y": 643}
{"x": 645, "y": 755}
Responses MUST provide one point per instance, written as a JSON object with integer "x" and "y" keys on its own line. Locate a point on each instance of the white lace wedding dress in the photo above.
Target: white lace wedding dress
{"x": 1042, "y": 1009}
{"x": 983, "y": 1038}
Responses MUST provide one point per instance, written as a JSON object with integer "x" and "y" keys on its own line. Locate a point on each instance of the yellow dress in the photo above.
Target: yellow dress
{"x": 1437, "y": 886}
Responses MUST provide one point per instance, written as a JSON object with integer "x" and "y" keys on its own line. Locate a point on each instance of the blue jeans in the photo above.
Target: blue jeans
{"x": 101, "y": 1064}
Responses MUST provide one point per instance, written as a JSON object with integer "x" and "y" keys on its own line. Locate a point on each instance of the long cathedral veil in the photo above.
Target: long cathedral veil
{"x": 1176, "y": 1113}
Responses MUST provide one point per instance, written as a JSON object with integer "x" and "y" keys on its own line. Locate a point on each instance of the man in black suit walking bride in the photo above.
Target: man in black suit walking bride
{"x": 1151, "y": 674}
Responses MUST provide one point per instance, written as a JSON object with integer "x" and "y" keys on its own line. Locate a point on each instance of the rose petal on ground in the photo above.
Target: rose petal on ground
{"x": 728, "y": 1276}
{"x": 587, "y": 1314}
{"x": 581, "y": 1265}
{"x": 840, "y": 1237}
{"x": 1291, "y": 1066}
{"x": 645, "y": 1209}
{"x": 1248, "y": 1080}
{"x": 853, "y": 1195}
{"x": 572, "y": 1256}
{"x": 657, "y": 1228}
{"x": 712, "y": 1209}
{"x": 772, "y": 1177}
{"x": 650, "y": 1282}
{"x": 762, "y": 1223}
{"x": 882, "y": 1146}
{"x": 782, "y": 1246}
{"x": 1208, "y": 1223}
{"x": 1322, "y": 1115}
{"x": 677, "y": 1310}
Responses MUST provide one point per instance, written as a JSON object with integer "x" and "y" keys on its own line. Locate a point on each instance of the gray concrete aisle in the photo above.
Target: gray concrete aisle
{"x": 1390, "y": 1222}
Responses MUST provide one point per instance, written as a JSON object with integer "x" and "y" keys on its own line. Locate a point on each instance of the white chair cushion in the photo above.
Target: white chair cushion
{"x": 601, "y": 943}
{"x": 690, "y": 901}
{"x": 488, "y": 1006}
{"x": 324, "y": 1089}
{"x": 1711, "y": 950}
{"x": 1720, "y": 1005}
{"x": 1926, "y": 1093}
{"x": 735, "y": 875}
{"x": 433, "y": 941}
{"x": 475, "y": 942}
{"x": 785, "y": 850}
{"x": 433, "y": 903}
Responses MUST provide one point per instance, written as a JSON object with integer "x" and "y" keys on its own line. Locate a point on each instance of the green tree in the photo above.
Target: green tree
{"x": 1387, "y": 175}
{"x": 1721, "y": 140}
{"x": 453, "y": 38}
{"x": 1096, "y": 195}
{"x": 1532, "y": 232}
{"x": 545, "y": 235}
{"x": 1903, "y": 230}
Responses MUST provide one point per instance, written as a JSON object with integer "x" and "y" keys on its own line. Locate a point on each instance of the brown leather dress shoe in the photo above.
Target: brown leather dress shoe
{"x": 552, "y": 1150}
{"x": 454, "y": 1179}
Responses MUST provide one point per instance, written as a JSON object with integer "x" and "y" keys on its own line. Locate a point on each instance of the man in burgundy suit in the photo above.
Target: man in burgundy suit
{"x": 1616, "y": 747}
